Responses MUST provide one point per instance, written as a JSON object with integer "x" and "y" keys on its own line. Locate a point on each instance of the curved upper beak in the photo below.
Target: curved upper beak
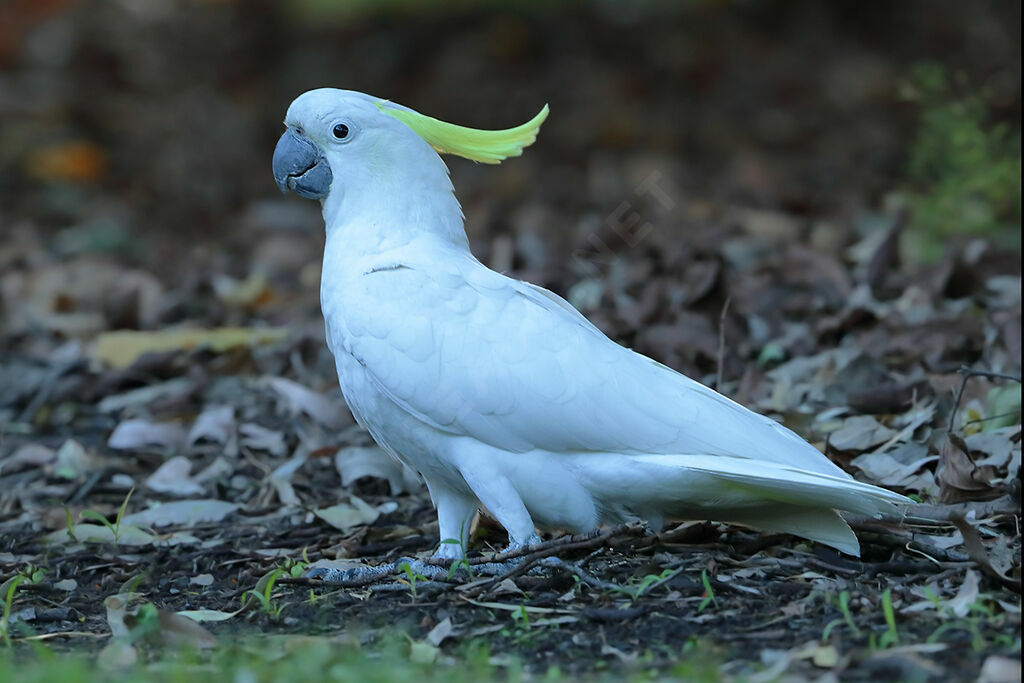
{"x": 301, "y": 167}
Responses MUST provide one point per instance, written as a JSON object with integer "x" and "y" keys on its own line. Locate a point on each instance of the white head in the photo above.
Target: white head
{"x": 368, "y": 159}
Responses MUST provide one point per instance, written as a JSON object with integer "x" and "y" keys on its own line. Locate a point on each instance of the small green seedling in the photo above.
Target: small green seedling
{"x": 411, "y": 578}
{"x": 462, "y": 562}
{"x": 891, "y": 636}
{"x": 635, "y": 591}
{"x": 843, "y": 604}
{"x": 709, "y": 593}
{"x": 295, "y": 568}
{"x": 522, "y": 617}
{"x": 115, "y": 528}
{"x": 263, "y": 593}
{"x": 7, "y": 591}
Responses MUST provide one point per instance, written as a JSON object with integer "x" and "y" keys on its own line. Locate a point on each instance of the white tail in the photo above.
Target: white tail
{"x": 755, "y": 493}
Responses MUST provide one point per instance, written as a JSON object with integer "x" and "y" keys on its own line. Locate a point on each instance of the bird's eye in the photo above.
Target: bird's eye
{"x": 340, "y": 131}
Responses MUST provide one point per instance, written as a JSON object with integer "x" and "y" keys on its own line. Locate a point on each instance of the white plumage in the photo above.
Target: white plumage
{"x": 499, "y": 392}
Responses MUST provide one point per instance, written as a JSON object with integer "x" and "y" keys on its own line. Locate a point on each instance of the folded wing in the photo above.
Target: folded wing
{"x": 475, "y": 353}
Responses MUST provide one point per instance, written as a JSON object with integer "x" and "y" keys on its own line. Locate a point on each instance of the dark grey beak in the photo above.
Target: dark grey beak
{"x": 300, "y": 166}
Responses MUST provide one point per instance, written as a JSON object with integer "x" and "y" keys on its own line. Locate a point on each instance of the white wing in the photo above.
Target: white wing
{"x": 475, "y": 353}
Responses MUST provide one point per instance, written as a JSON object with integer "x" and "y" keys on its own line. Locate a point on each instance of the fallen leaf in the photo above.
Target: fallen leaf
{"x": 186, "y": 512}
{"x": 997, "y": 560}
{"x": 202, "y": 615}
{"x": 78, "y": 161}
{"x": 995, "y": 448}
{"x": 346, "y": 516}
{"x": 302, "y": 400}
{"x": 215, "y": 424}
{"x": 117, "y": 607}
{"x": 825, "y": 657}
{"x": 147, "y": 395}
{"x": 218, "y": 469}
{"x": 999, "y": 669}
{"x": 859, "y": 433}
{"x": 99, "y": 533}
{"x": 121, "y": 348}
{"x": 173, "y": 478}
{"x": 959, "y": 476}
{"x": 356, "y": 462}
{"x": 181, "y": 631}
{"x": 73, "y": 461}
{"x": 884, "y": 469}
{"x": 259, "y": 438}
{"x": 439, "y": 633}
{"x": 251, "y": 292}
{"x": 139, "y": 433}
{"x": 116, "y": 655}
{"x": 280, "y": 479}
{"x": 422, "y": 652}
{"x": 960, "y": 604}
{"x": 29, "y": 455}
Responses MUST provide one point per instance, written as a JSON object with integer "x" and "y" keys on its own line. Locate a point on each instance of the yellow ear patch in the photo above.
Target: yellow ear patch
{"x": 487, "y": 146}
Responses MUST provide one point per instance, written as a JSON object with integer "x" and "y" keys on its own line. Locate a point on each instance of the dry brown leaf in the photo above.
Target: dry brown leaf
{"x": 121, "y": 348}
{"x": 78, "y": 161}
{"x": 996, "y": 560}
{"x": 959, "y": 476}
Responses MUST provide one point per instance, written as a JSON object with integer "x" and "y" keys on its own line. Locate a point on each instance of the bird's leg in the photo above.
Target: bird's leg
{"x": 500, "y": 497}
{"x": 454, "y": 517}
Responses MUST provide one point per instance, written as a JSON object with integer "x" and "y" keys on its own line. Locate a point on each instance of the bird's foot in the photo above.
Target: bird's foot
{"x": 452, "y": 568}
{"x": 362, "y": 576}
{"x": 518, "y": 548}
{"x": 509, "y": 559}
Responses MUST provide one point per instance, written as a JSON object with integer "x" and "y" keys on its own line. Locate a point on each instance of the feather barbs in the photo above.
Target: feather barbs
{"x": 486, "y": 146}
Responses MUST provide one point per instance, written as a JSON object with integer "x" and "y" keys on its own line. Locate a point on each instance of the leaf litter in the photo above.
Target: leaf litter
{"x": 211, "y": 395}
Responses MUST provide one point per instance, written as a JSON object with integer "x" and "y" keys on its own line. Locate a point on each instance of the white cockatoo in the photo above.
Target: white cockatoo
{"x": 497, "y": 391}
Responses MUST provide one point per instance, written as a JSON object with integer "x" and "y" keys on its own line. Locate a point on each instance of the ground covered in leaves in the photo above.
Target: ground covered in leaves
{"x": 810, "y": 208}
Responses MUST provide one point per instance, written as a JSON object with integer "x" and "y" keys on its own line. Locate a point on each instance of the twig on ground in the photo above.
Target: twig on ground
{"x": 543, "y": 550}
{"x": 966, "y": 373}
{"x": 977, "y": 552}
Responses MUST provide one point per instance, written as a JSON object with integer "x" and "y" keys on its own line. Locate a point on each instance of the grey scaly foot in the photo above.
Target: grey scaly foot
{"x": 362, "y": 576}
{"x": 502, "y": 567}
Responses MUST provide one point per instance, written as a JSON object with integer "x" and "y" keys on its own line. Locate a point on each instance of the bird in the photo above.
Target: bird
{"x": 497, "y": 391}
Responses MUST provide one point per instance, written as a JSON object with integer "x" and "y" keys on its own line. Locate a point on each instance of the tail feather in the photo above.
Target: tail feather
{"x": 769, "y": 481}
{"x": 815, "y": 524}
{"x": 763, "y": 495}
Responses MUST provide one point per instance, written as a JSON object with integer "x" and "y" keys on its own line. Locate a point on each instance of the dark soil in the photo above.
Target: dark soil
{"x": 135, "y": 193}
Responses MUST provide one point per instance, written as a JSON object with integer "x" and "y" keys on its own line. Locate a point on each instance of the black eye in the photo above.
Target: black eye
{"x": 341, "y": 131}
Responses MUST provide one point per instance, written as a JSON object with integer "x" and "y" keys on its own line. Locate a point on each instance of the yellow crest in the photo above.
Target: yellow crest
{"x": 487, "y": 146}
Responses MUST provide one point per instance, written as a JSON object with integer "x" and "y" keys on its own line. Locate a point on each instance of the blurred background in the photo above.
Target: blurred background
{"x": 814, "y": 207}
{"x": 774, "y": 154}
